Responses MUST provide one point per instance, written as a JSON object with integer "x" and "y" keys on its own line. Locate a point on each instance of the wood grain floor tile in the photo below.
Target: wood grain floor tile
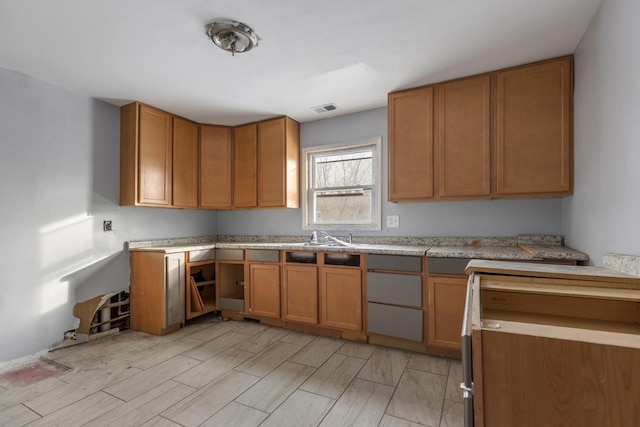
{"x": 249, "y": 328}
{"x": 298, "y": 338}
{"x": 164, "y": 351}
{"x": 213, "y": 330}
{"x": 332, "y": 378}
{"x": 146, "y": 380}
{"x": 389, "y": 421}
{"x": 263, "y": 363}
{"x": 301, "y": 409}
{"x": 357, "y": 349}
{"x": 385, "y": 366}
{"x": 426, "y": 363}
{"x": 80, "y": 412}
{"x": 144, "y": 407}
{"x": 362, "y": 404}
{"x": 260, "y": 341}
{"x": 452, "y": 414}
{"x": 17, "y": 395}
{"x": 453, "y": 391}
{"x": 17, "y": 416}
{"x": 215, "y": 367}
{"x": 215, "y": 346}
{"x": 419, "y": 397}
{"x": 235, "y": 414}
{"x": 274, "y": 388}
{"x": 207, "y": 401}
{"x": 159, "y": 421}
{"x": 317, "y": 351}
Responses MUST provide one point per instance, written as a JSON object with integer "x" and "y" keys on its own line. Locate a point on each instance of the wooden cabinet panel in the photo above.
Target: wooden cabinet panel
{"x": 245, "y": 163}
{"x": 300, "y": 294}
{"x": 534, "y": 129}
{"x": 215, "y": 167}
{"x": 341, "y": 298}
{"x": 446, "y": 299}
{"x": 278, "y": 159}
{"x": 411, "y": 175}
{"x": 264, "y": 290}
{"x": 463, "y": 138}
{"x": 157, "y": 286}
{"x": 185, "y": 163}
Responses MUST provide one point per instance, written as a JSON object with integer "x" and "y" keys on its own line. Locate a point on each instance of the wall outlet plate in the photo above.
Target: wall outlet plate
{"x": 393, "y": 221}
{"x": 106, "y": 225}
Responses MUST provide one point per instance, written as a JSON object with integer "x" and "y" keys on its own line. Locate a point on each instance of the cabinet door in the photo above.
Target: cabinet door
{"x": 341, "y": 298}
{"x": 245, "y": 166}
{"x": 411, "y": 174}
{"x": 185, "y": 163}
{"x": 462, "y": 138}
{"x": 278, "y": 159}
{"x": 174, "y": 289}
{"x": 264, "y": 290}
{"x": 300, "y": 294}
{"x": 534, "y": 129}
{"x": 215, "y": 167}
{"x": 446, "y": 299}
{"x": 154, "y": 157}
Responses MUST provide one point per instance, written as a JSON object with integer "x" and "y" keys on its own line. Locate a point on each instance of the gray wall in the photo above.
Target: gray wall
{"x": 59, "y": 178}
{"x": 474, "y": 218}
{"x": 603, "y": 215}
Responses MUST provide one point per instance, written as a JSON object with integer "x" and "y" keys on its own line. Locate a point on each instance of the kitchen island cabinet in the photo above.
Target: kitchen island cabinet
{"x": 553, "y": 345}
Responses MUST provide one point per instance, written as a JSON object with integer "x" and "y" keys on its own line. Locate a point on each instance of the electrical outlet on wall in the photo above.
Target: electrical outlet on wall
{"x": 393, "y": 221}
{"x": 107, "y": 225}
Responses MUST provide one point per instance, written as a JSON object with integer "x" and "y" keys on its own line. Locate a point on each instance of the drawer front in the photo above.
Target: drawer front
{"x": 202, "y": 255}
{"x": 447, "y": 265}
{"x": 230, "y": 254}
{"x": 396, "y": 322}
{"x": 398, "y": 289}
{"x": 263, "y": 255}
{"x": 394, "y": 262}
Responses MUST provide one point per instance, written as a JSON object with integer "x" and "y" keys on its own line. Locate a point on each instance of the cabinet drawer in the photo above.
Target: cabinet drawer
{"x": 263, "y": 255}
{"x": 395, "y": 321}
{"x": 230, "y": 254}
{"x": 447, "y": 265}
{"x": 394, "y": 262}
{"x": 202, "y": 255}
{"x": 398, "y": 289}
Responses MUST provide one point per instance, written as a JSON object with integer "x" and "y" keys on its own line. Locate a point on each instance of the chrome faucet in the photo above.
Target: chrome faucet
{"x": 338, "y": 241}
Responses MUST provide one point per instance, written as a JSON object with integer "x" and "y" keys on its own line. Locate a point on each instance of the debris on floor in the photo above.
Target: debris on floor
{"x": 33, "y": 372}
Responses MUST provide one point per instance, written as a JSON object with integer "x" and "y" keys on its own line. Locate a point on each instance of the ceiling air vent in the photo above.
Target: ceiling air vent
{"x": 325, "y": 108}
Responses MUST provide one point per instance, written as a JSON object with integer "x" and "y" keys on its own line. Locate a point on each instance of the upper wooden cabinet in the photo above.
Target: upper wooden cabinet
{"x": 145, "y": 156}
{"x": 215, "y": 167}
{"x": 266, "y": 164}
{"x": 534, "y": 107}
{"x": 411, "y": 145}
{"x": 499, "y": 135}
{"x": 245, "y": 166}
{"x": 463, "y": 138}
{"x": 278, "y": 160}
{"x": 185, "y": 163}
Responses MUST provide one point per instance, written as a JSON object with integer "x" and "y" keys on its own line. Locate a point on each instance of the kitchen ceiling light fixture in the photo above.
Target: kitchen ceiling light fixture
{"x": 232, "y": 36}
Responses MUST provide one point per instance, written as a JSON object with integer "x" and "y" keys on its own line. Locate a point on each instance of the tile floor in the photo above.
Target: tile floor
{"x": 237, "y": 374}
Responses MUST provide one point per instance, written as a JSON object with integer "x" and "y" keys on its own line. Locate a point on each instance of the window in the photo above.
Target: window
{"x": 343, "y": 186}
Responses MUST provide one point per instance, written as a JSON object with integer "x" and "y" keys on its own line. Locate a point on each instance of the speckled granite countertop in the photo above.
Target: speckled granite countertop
{"x": 521, "y": 248}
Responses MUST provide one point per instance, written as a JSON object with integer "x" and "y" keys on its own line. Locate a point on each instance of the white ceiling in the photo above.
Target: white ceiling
{"x": 347, "y": 52}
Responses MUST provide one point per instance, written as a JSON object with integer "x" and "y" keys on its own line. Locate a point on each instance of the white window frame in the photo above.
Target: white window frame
{"x": 376, "y": 188}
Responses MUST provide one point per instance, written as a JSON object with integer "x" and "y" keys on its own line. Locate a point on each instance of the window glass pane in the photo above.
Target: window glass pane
{"x": 348, "y": 206}
{"x": 343, "y": 170}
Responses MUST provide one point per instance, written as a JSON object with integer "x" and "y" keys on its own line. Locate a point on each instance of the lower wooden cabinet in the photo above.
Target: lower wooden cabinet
{"x": 264, "y": 290}
{"x": 300, "y": 294}
{"x": 157, "y": 287}
{"x": 446, "y": 298}
{"x": 341, "y": 298}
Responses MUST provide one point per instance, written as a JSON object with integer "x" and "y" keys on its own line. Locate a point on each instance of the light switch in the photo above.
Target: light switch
{"x": 393, "y": 221}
